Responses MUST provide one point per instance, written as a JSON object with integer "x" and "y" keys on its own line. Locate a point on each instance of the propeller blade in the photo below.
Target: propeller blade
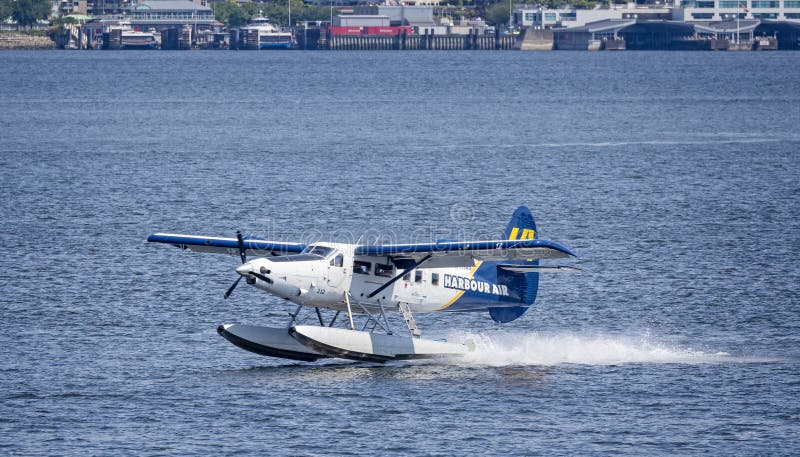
{"x": 242, "y": 254}
{"x": 233, "y": 286}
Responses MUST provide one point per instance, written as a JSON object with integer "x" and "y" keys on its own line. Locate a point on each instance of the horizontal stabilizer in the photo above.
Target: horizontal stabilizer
{"x": 539, "y": 268}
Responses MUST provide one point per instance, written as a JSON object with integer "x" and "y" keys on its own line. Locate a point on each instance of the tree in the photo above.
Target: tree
{"x": 238, "y": 17}
{"x": 28, "y": 12}
{"x": 497, "y": 14}
{"x": 5, "y": 9}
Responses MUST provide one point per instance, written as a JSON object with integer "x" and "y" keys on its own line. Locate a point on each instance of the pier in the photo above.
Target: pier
{"x": 402, "y": 42}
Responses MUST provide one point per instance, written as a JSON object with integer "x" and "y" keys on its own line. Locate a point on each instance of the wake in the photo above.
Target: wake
{"x": 567, "y": 348}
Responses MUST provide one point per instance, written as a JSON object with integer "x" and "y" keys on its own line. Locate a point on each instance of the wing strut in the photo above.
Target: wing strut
{"x": 393, "y": 280}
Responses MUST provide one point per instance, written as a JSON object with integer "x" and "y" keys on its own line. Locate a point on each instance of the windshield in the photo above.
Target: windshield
{"x": 320, "y": 251}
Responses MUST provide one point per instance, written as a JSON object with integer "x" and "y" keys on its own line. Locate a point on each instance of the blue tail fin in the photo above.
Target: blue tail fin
{"x": 521, "y": 227}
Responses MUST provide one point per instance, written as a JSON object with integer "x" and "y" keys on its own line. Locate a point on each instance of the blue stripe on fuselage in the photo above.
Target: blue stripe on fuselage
{"x": 480, "y": 300}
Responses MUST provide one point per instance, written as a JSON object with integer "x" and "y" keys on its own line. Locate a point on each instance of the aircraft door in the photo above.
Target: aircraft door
{"x": 337, "y": 272}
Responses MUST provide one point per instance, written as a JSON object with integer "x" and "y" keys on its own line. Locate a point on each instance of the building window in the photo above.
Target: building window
{"x": 418, "y": 276}
{"x": 702, "y": 15}
{"x": 791, "y": 4}
{"x": 383, "y": 270}
{"x": 550, "y": 17}
{"x": 529, "y": 17}
{"x": 792, "y": 15}
{"x": 705, "y": 5}
{"x": 603, "y": 35}
{"x": 361, "y": 268}
{"x": 765, "y": 15}
{"x": 766, "y": 4}
{"x": 732, "y": 4}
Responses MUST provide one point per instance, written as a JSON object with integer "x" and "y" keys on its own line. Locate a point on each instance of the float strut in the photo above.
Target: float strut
{"x": 334, "y": 318}
{"x": 349, "y": 310}
{"x": 294, "y": 315}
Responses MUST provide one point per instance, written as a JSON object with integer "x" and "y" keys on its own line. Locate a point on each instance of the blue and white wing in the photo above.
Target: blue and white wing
{"x": 464, "y": 253}
{"x": 253, "y": 246}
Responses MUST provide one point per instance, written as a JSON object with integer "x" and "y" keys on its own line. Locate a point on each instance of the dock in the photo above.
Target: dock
{"x": 430, "y": 42}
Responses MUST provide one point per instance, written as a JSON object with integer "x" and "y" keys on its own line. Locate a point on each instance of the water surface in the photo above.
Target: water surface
{"x": 672, "y": 175}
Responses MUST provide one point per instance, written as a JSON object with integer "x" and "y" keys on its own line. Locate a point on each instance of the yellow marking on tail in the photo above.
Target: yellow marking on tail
{"x": 527, "y": 234}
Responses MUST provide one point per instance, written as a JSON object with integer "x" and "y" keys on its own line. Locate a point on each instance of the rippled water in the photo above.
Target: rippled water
{"x": 672, "y": 175}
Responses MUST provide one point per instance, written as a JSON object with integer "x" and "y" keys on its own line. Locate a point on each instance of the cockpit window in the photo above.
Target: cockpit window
{"x": 361, "y": 268}
{"x": 383, "y": 270}
{"x": 321, "y": 251}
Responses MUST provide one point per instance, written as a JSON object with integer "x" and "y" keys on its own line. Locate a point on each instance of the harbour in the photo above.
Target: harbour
{"x": 667, "y": 173}
{"x": 183, "y": 25}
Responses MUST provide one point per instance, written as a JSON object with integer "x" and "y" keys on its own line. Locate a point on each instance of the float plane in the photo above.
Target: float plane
{"x": 366, "y": 282}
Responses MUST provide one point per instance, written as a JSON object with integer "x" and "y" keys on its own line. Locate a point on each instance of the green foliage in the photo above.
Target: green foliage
{"x": 27, "y": 12}
{"x": 238, "y": 17}
{"x": 59, "y": 22}
{"x": 584, "y": 4}
{"x": 234, "y": 15}
{"x": 5, "y": 9}
{"x": 496, "y": 14}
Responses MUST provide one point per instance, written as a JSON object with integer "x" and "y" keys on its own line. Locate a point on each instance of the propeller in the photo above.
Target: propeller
{"x": 243, "y": 256}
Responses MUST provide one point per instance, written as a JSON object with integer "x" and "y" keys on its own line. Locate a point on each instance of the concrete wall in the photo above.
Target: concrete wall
{"x": 537, "y": 40}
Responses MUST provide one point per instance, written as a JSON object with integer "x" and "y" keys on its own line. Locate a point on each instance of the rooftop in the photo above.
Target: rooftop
{"x": 170, "y": 5}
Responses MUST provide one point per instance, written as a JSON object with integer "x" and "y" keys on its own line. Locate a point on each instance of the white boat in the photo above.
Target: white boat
{"x": 123, "y": 36}
{"x": 133, "y": 39}
{"x": 262, "y": 34}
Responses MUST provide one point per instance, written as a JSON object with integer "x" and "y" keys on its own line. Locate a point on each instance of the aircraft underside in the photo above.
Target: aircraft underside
{"x": 374, "y": 342}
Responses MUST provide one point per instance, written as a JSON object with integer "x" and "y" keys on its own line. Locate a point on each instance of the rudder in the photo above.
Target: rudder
{"x": 521, "y": 227}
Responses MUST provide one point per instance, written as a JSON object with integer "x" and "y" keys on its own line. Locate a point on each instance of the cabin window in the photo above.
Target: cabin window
{"x": 361, "y": 268}
{"x": 383, "y": 270}
{"x": 337, "y": 261}
{"x": 321, "y": 251}
{"x": 435, "y": 279}
{"x": 407, "y": 276}
{"x": 418, "y": 276}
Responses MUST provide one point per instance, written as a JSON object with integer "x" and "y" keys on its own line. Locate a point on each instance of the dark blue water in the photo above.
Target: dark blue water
{"x": 674, "y": 176}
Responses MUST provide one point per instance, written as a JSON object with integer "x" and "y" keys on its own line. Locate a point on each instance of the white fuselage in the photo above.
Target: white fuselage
{"x": 323, "y": 275}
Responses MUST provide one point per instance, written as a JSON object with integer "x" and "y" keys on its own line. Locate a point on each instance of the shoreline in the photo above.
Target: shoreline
{"x": 21, "y": 41}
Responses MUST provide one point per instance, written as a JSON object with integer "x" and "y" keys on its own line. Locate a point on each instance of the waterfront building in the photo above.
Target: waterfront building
{"x": 743, "y": 31}
{"x": 589, "y": 36}
{"x": 163, "y": 14}
{"x": 400, "y": 15}
{"x": 420, "y": 18}
{"x": 65, "y": 7}
{"x": 360, "y": 20}
{"x": 719, "y": 10}
{"x": 540, "y": 17}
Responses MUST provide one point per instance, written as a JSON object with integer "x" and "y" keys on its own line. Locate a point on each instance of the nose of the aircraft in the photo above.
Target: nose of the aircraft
{"x": 245, "y": 269}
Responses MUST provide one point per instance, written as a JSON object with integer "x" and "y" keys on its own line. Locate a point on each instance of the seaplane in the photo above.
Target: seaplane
{"x": 367, "y": 282}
